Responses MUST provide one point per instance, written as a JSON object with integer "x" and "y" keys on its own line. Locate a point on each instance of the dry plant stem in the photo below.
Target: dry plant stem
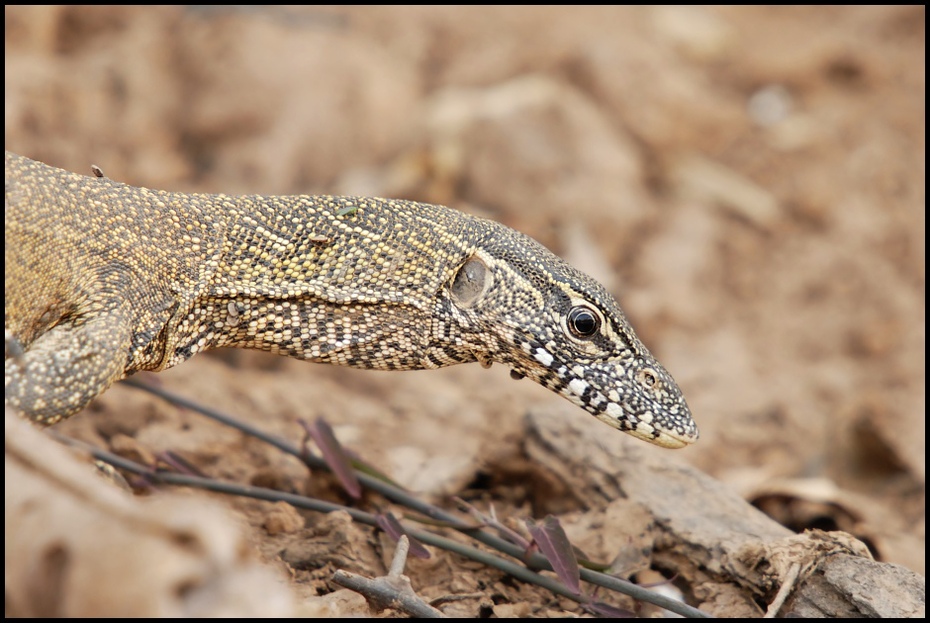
{"x": 399, "y": 496}
{"x": 382, "y": 594}
{"x": 786, "y": 587}
{"x": 400, "y": 557}
{"x": 391, "y": 591}
{"x": 490, "y": 520}
{"x": 272, "y": 495}
{"x": 516, "y": 570}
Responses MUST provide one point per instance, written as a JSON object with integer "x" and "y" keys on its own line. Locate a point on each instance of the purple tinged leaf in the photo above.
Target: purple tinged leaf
{"x": 179, "y": 464}
{"x": 555, "y": 546}
{"x": 335, "y": 457}
{"x": 389, "y": 523}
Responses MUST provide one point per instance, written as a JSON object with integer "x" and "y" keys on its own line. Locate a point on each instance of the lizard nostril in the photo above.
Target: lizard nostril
{"x": 648, "y": 378}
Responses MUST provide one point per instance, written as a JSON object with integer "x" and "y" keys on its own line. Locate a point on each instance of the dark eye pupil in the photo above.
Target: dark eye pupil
{"x": 582, "y": 322}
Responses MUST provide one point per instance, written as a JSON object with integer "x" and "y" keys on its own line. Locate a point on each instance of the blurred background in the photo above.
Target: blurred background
{"x": 748, "y": 181}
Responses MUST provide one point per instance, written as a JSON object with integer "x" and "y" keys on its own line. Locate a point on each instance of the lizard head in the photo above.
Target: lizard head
{"x": 553, "y": 324}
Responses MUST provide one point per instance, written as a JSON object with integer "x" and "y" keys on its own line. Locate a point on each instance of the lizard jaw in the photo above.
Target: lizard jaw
{"x": 641, "y": 430}
{"x": 665, "y": 421}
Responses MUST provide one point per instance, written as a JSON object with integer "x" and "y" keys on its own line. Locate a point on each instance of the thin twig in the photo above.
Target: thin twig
{"x": 399, "y": 496}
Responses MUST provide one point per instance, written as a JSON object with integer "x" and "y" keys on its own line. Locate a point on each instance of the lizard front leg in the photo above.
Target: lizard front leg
{"x": 68, "y": 365}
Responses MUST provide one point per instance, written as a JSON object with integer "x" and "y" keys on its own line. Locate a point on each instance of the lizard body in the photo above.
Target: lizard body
{"x": 104, "y": 279}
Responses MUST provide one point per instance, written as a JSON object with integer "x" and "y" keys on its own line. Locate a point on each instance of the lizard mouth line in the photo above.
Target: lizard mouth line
{"x": 619, "y": 415}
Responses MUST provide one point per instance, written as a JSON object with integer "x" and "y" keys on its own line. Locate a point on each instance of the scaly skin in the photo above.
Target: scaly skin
{"x": 104, "y": 280}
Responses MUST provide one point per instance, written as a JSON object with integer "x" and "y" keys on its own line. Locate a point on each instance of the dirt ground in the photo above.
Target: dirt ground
{"x": 748, "y": 182}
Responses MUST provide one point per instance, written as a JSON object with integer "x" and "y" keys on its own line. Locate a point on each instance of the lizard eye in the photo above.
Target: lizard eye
{"x": 583, "y": 322}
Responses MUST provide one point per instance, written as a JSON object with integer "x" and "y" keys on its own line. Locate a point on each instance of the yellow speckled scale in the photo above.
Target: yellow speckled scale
{"x": 105, "y": 279}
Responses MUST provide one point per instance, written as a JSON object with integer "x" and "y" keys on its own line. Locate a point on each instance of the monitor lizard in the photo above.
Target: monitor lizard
{"x": 103, "y": 280}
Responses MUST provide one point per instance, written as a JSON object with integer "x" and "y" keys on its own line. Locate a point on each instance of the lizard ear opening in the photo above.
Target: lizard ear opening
{"x": 470, "y": 282}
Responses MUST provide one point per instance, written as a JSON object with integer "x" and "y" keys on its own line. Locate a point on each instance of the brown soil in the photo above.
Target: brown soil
{"x": 749, "y": 182}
